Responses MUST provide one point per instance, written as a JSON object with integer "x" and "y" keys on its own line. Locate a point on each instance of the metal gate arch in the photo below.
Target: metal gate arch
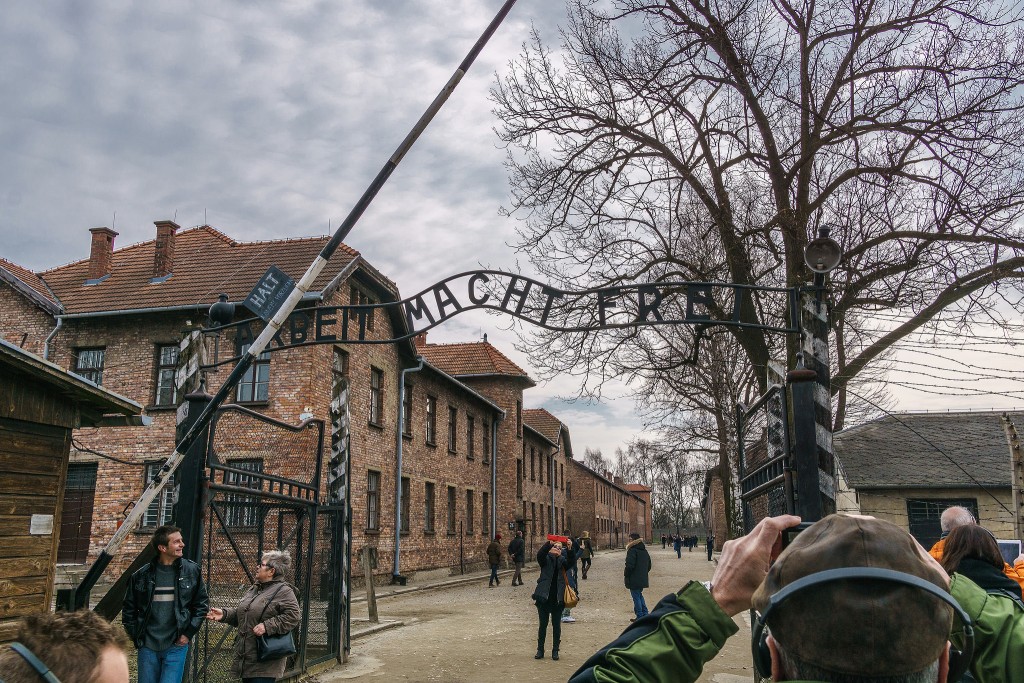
{"x": 264, "y": 492}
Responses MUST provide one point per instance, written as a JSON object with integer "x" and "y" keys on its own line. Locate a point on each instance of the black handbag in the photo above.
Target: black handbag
{"x": 270, "y": 647}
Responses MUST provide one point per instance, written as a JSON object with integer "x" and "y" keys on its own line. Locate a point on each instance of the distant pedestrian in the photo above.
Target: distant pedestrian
{"x": 548, "y": 596}
{"x": 664, "y": 540}
{"x": 692, "y": 543}
{"x": 572, "y": 554}
{"x": 494, "y": 558}
{"x": 164, "y": 606}
{"x": 268, "y": 608}
{"x": 711, "y": 545}
{"x": 586, "y": 553}
{"x": 636, "y": 574}
{"x": 677, "y": 545}
{"x": 517, "y": 553}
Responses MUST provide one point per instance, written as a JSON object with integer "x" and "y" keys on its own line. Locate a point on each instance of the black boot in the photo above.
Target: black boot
{"x": 554, "y": 655}
{"x": 540, "y": 653}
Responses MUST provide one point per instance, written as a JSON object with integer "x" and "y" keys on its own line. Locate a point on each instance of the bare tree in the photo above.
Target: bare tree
{"x": 593, "y": 459}
{"x": 712, "y": 143}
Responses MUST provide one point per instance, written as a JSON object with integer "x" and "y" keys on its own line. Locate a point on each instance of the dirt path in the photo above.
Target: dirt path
{"x": 471, "y": 633}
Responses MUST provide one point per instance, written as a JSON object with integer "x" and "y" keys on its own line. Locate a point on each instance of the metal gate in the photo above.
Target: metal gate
{"x": 264, "y": 492}
{"x": 765, "y": 462}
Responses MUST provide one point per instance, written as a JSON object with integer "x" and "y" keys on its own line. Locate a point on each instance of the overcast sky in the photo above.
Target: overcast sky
{"x": 268, "y": 120}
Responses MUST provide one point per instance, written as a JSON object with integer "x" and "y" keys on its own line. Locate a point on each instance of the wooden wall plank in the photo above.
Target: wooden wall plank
{"x": 27, "y": 505}
{"x": 23, "y": 586}
{"x": 33, "y": 484}
{"x": 9, "y": 630}
{"x": 22, "y": 605}
{"x": 13, "y": 568}
{"x": 33, "y": 546}
{"x": 26, "y": 463}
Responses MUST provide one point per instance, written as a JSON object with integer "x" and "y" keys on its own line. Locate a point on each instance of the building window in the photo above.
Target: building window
{"x": 161, "y": 510}
{"x": 533, "y": 471}
{"x": 255, "y": 383}
{"x": 568, "y": 491}
{"x": 372, "y": 501}
{"x": 519, "y": 419}
{"x": 469, "y": 512}
{"x": 540, "y": 468}
{"x": 356, "y": 297}
{"x": 542, "y": 532}
{"x": 89, "y": 364}
{"x": 453, "y": 421}
{"x": 533, "y": 518}
{"x": 561, "y": 475}
{"x": 376, "y": 396}
{"x": 407, "y": 411}
{"x": 428, "y": 507}
{"x": 166, "y": 367}
{"x": 404, "y": 500}
{"x": 242, "y": 510}
{"x": 451, "y": 509}
{"x": 431, "y": 433}
{"x": 923, "y": 516}
{"x": 519, "y": 477}
{"x": 486, "y": 514}
{"x": 486, "y": 427}
{"x": 470, "y": 437}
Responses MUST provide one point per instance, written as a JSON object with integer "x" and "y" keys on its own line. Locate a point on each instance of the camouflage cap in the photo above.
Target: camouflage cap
{"x": 857, "y": 627}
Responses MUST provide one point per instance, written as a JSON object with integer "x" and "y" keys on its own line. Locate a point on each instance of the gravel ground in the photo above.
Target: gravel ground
{"x": 470, "y": 632}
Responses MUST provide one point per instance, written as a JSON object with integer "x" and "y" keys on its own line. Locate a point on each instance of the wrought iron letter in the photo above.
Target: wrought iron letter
{"x": 479, "y": 301}
{"x": 448, "y": 300}
{"x": 605, "y": 300}
{"x": 523, "y": 293}
{"x": 417, "y": 307}
{"x": 552, "y": 294}
{"x": 698, "y": 295}
{"x": 324, "y": 319}
{"x": 646, "y": 308}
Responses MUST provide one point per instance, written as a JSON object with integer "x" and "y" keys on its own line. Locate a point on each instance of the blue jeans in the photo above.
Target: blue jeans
{"x": 639, "y": 606}
{"x": 162, "y": 667}
{"x": 494, "y": 574}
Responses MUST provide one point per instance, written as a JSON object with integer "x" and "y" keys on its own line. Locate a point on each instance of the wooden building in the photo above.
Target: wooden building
{"x": 40, "y": 405}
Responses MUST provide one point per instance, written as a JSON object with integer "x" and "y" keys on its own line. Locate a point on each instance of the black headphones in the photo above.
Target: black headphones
{"x": 36, "y": 663}
{"x": 958, "y": 660}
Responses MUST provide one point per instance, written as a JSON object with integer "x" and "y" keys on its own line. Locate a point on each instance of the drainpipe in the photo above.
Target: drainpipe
{"x": 494, "y": 474}
{"x": 46, "y": 344}
{"x": 551, "y": 480}
{"x": 395, "y": 573}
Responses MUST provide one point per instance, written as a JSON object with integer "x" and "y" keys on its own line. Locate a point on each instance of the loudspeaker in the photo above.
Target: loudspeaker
{"x": 959, "y": 661}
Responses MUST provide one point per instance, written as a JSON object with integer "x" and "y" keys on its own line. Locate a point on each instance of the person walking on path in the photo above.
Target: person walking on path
{"x": 677, "y": 545}
{"x": 164, "y": 606}
{"x": 664, "y": 540}
{"x": 269, "y": 607}
{"x": 586, "y": 553}
{"x": 711, "y": 545}
{"x": 637, "y": 571}
{"x": 548, "y": 596}
{"x": 517, "y": 553}
{"x": 572, "y": 554}
{"x": 494, "y": 558}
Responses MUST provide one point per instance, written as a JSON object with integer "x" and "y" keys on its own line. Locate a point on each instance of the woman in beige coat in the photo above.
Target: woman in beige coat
{"x": 268, "y": 607}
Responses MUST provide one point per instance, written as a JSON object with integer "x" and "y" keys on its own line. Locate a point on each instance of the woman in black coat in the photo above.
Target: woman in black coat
{"x": 548, "y": 595}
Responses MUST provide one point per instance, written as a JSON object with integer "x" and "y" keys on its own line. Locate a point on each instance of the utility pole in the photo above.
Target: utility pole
{"x": 1016, "y": 476}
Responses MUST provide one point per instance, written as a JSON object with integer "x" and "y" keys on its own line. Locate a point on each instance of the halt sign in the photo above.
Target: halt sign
{"x": 269, "y": 293}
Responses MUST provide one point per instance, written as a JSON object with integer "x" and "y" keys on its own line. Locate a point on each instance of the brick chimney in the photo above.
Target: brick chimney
{"x": 420, "y": 339}
{"x": 101, "y": 256}
{"x": 163, "y": 254}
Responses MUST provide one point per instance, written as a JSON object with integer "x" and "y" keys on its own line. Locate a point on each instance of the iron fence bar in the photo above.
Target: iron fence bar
{"x": 231, "y": 540}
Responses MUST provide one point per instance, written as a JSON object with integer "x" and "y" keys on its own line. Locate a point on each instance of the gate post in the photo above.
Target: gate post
{"x": 813, "y": 458}
{"x": 189, "y": 510}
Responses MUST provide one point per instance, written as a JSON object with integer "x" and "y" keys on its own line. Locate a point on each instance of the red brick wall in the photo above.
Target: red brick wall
{"x": 22, "y": 323}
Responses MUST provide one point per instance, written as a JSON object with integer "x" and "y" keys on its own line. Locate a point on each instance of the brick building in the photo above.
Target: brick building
{"x": 443, "y": 453}
{"x": 604, "y": 506}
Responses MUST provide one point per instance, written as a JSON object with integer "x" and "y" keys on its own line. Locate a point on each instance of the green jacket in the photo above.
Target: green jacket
{"x": 998, "y": 632}
{"x": 687, "y": 629}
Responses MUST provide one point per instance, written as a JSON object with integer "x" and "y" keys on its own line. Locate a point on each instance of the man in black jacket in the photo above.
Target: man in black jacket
{"x": 638, "y": 567}
{"x": 164, "y": 606}
{"x": 517, "y": 553}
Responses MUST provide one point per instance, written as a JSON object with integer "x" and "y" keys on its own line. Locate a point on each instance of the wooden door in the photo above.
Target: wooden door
{"x": 76, "y": 517}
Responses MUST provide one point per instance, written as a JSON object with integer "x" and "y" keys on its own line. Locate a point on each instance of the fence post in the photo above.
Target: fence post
{"x": 371, "y": 594}
{"x": 189, "y": 510}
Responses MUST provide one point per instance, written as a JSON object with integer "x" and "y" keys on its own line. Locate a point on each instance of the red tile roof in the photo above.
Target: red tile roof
{"x": 29, "y": 280}
{"x": 638, "y": 488}
{"x": 206, "y": 263}
{"x": 475, "y": 358}
{"x": 543, "y": 422}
